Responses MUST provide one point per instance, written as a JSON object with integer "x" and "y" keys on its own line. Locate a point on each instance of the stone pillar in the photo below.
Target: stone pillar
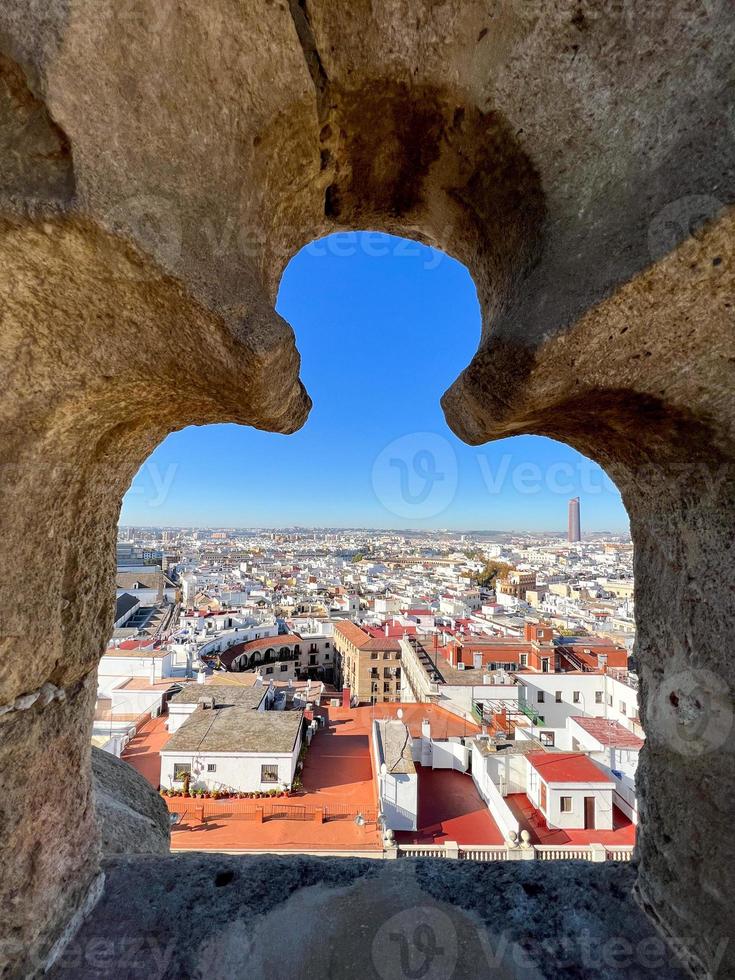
{"x": 643, "y": 383}
{"x": 78, "y": 420}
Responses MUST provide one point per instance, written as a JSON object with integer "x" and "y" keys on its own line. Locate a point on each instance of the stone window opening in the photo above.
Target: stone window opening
{"x": 607, "y": 368}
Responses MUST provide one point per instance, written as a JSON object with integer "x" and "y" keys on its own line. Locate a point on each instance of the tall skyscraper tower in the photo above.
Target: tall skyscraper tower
{"x": 574, "y": 533}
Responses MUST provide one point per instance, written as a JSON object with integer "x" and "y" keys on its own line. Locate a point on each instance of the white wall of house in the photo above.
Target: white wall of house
{"x": 398, "y": 793}
{"x": 449, "y": 754}
{"x": 240, "y": 634}
{"x": 463, "y": 695}
{"x": 574, "y": 819}
{"x": 178, "y": 712}
{"x": 624, "y": 796}
{"x": 111, "y": 669}
{"x": 598, "y": 695}
{"x": 490, "y": 793}
{"x": 399, "y": 796}
{"x": 132, "y": 702}
{"x": 146, "y": 597}
{"x": 237, "y": 771}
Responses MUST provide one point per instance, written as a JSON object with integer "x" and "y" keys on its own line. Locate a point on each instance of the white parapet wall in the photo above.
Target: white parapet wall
{"x": 396, "y": 779}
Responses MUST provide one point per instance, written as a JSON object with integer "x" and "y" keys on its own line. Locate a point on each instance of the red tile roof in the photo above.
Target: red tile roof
{"x": 567, "y": 767}
{"x": 609, "y": 732}
{"x": 263, "y": 643}
{"x": 360, "y": 638}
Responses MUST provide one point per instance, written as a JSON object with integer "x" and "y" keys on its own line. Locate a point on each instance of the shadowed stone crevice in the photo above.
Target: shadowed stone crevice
{"x": 37, "y": 165}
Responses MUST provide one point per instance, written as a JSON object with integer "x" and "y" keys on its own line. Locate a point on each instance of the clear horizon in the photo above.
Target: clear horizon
{"x": 383, "y": 326}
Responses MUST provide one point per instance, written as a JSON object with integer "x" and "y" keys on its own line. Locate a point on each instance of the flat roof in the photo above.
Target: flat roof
{"x": 224, "y": 695}
{"x": 567, "y": 767}
{"x": 236, "y": 728}
{"x": 609, "y": 732}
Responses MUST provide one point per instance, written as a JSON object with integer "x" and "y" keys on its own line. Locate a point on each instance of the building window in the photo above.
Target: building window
{"x": 269, "y": 774}
{"x": 269, "y": 670}
{"x": 211, "y": 767}
{"x": 623, "y": 709}
{"x": 547, "y": 738}
{"x": 565, "y": 804}
{"x": 540, "y": 697}
{"x": 284, "y": 666}
{"x": 609, "y": 700}
{"x": 181, "y": 769}
{"x": 326, "y": 656}
{"x": 576, "y": 697}
{"x": 326, "y": 645}
{"x": 557, "y": 697}
{"x": 373, "y": 656}
{"x": 545, "y": 665}
{"x": 524, "y": 660}
{"x": 598, "y": 697}
{"x": 386, "y": 656}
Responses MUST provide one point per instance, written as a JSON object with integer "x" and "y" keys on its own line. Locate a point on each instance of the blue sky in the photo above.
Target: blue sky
{"x": 384, "y": 326}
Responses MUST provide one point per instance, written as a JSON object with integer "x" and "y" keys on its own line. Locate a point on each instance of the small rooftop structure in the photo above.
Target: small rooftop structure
{"x": 609, "y": 732}
{"x": 567, "y": 767}
{"x": 237, "y": 728}
{"x": 394, "y": 745}
{"x": 224, "y": 695}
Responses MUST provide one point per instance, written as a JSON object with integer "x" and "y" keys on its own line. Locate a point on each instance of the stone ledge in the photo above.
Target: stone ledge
{"x": 220, "y": 916}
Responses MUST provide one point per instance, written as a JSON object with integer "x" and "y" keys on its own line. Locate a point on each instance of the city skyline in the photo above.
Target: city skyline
{"x": 376, "y": 451}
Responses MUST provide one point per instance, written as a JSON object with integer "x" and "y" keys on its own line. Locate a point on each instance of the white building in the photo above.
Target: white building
{"x": 397, "y": 781}
{"x": 570, "y": 790}
{"x": 226, "y": 739}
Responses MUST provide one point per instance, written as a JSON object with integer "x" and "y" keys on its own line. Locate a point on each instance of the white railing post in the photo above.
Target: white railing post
{"x": 451, "y": 849}
{"x": 598, "y": 852}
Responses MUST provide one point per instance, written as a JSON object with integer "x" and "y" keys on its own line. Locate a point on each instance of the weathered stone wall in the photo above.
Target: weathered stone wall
{"x": 132, "y": 817}
{"x": 159, "y": 164}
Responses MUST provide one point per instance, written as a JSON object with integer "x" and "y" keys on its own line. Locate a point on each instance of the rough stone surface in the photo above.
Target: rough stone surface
{"x": 131, "y": 816}
{"x": 159, "y": 164}
{"x": 219, "y": 917}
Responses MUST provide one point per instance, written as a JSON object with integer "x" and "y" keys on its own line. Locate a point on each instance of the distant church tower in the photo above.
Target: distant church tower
{"x": 574, "y": 533}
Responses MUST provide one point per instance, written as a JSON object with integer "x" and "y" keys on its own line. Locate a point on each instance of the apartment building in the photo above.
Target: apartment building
{"x": 369, "y": 665}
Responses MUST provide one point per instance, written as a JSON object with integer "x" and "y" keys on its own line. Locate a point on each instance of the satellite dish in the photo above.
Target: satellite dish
{"x": 399, "y": 713}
